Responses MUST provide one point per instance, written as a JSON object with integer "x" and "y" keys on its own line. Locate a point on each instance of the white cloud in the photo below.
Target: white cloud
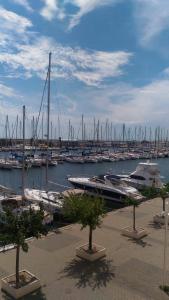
{"x": 86, "y": 6}
{"x": 57, "y": 9}
{"x": 123, "y": 103}
{"x": 10, "y": 21}
{"x": 152, "y": 17}
{"x": 94, "y": 67}
{"x": 119, "y": 103}
{"x": 52, "y": 9}
{"x": 10, "y": 104}
{"x": 90, "y": 67}
{"x": 24, "y": 3}
{"x": 25, "y": 54}
{"x": 6, "y": 91}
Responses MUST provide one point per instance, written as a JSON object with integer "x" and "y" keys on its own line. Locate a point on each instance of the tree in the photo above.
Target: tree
{"x": 85, "y": 210}
{"x": 134, "y": 203}
{"x": 17, "y": 227}
{"x": 150, "y": 192}
{"x": 163, "y": 193}
{"x": 167, "y": 186}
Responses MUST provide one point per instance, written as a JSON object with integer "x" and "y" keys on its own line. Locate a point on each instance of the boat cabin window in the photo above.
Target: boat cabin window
{"x": 137, "y": 177}
{"x": 99, "y": 179}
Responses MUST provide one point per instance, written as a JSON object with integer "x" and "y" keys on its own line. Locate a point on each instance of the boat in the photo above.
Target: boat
{"x": 17, "y": 205}
{"x": 52, "y": 201}
{"x": 147, "y": 174}
{"x": 4, "y": 164}
{"x": 75, "y": 160}
{"x": 90, "y": 159}
{"x": 108, "y": 187}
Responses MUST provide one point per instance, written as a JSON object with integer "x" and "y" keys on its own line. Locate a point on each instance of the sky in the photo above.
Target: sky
{"x": 110, "y": 60}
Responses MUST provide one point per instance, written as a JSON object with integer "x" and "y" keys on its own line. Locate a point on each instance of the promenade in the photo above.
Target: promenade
{"x": 132, "y": 270}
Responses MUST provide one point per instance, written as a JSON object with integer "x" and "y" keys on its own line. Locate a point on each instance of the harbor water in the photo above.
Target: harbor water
{"x": 35, "y": 177}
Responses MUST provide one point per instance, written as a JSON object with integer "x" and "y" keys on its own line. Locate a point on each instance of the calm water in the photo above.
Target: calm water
{"x": 35, "y": 177}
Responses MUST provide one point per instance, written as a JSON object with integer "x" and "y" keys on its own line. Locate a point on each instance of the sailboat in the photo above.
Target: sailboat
{"x": 9, "y": 198}
{"x": 51, "y": 200}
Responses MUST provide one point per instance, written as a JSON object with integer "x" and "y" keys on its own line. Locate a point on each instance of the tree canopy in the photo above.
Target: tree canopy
{"x": 132, "y": 201}
{"x": 150, "y": 192}
{"x": 18, "y": 226}
{"x": 85, "y": 210}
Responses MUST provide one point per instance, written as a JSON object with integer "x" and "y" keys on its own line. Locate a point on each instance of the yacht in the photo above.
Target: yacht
{"x": 4, "y": 164}
{"x": 147, "y": 174}
{"x": 107, "y": 186}
{"x": 52, "y": 201}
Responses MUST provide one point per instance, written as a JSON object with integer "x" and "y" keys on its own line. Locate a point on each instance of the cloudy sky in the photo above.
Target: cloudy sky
{"x": 110, "y": 59}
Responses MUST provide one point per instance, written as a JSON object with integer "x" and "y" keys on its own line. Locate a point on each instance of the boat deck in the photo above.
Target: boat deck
{"x": 69, "y": 192}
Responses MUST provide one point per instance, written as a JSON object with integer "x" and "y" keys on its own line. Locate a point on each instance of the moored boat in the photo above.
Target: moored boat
{"x": 109, "y": 188}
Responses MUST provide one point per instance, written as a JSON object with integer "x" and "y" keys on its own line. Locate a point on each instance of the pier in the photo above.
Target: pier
{"x": 131, "y": 269}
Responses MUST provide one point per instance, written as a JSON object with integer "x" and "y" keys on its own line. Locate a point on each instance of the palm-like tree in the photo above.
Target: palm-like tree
{"x": 134, "y": 203}
{"x": 85, "y": 210}
{"x": 163, "y": 193}
{"x": 17, "y": 227}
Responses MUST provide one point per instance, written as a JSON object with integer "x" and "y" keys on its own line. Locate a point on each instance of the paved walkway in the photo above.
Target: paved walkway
{"x": 131, "y": 270}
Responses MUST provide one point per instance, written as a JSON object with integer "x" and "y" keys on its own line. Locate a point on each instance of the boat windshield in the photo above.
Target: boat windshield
{"x": 99, "y": 179}
{"x": 137, "y": 177}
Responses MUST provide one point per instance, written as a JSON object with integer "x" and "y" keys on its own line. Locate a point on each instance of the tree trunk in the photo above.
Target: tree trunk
{"x": 134, "y": 218}
{"x": 90, "y": 238}
{"x": 17, "y": 265}
{"x": 163, "y": 204}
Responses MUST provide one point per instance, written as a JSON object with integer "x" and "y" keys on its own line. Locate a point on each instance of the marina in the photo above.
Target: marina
{"x": 35, "y": 177}
{"x": 84, "y": 150}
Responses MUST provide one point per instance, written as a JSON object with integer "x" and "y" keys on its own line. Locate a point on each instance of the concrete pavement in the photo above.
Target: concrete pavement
{"x": 131, "y": 270}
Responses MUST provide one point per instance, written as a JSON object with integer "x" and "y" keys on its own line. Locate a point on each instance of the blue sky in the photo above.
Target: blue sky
{"x": 110, "y": 59}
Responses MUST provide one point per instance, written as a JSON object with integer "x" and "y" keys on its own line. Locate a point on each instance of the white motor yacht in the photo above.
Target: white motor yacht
{"x": 109, "y": 188}
{"x": 147, "y": 174}
{"x": 52, "y": 201}
{"x": 4, "y": 164}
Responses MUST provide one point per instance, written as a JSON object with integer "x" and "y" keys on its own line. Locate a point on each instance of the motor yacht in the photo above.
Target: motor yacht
{"x": 106, "y": 186}
{"x": 52, "y": 201}
{"x": 147, "y": 174}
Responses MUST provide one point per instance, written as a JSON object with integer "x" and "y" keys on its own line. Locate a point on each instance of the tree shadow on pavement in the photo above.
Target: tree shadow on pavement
{"x": 93, "y": 274}
{"x": 37, "y": 295}
{"x": 155, "y": 225}
{"x": 141, "y": 242}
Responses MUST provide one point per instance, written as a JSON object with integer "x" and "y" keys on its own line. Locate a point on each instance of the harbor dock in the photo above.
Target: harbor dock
{"x": 131, "y": 269}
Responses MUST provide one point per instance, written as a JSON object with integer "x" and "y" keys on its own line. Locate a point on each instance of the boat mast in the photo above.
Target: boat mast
{"x": 48, "y": 120}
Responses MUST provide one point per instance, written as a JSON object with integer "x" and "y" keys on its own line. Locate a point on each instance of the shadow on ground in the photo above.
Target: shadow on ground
{"x": 155, "y": 225}
{"x": 37, "y": 295}
{"x": 93, "y": 274}
{"x": 141, "y": 243}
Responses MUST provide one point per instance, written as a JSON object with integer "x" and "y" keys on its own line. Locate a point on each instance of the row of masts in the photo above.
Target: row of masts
{"x": 45, "y": 127}
{"x": 95, "y": 130}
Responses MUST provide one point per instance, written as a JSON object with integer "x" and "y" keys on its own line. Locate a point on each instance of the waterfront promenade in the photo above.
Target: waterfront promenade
{"x": 131, "y": 270}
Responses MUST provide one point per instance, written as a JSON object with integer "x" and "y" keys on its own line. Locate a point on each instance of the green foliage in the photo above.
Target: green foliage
{"x": 150, "y": 192}
{"x": 165, "y": 288}
{"x": 163, "y": 193}
{"x": 85, "y": 210}
{"x": 17, "y": 227}
{"x": 167, "y": 186}
{"x": 131, "y": 201}
{"x": 71, "y": 207}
